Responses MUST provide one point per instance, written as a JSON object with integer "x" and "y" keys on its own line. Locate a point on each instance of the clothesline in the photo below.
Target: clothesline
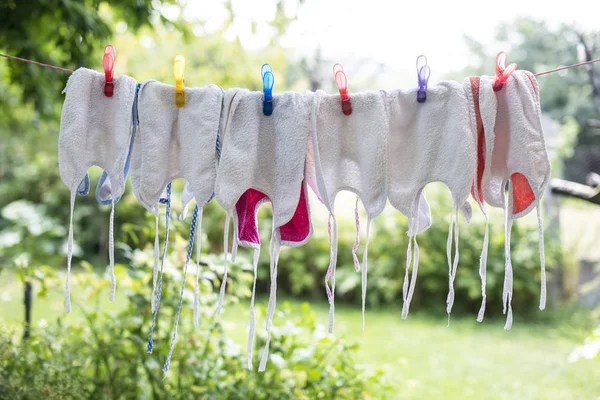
{"x": 386, "y": 150}
{"x": 317, "y": 147}
{"x": 39, "y": 64}
{"x": 567, "y": 67}
{"x": 69, "y": 71}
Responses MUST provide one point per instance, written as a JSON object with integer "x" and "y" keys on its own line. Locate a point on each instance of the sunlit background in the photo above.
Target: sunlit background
{"x": 99, "y": 350}
{"x": 382, "y": 32}
{"x": 385, "y": 34}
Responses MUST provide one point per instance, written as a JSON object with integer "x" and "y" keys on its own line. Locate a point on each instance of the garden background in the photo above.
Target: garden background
{"x": 98, "y": 351}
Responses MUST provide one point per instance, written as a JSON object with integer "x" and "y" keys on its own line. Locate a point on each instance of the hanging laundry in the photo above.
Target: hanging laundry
{"x": 480, "y": 91}
{"x": 511, "y": 155}
{"x": 482, "y": 136}
{"x": 94, "y": 130}
{"x": 348, "y": 152}
{"x": 174, "y": 142}
{"x": 262, "y": 160}
{"x": 428, "y": 142}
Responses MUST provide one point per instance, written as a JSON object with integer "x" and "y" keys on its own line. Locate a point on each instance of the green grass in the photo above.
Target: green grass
{"x": 422, "y": 356}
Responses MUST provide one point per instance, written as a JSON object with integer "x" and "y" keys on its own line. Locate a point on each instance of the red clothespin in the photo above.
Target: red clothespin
{"x": 502, "y": 73}
{"x": 342, "y": 83}
{"x": 108, "y": 61}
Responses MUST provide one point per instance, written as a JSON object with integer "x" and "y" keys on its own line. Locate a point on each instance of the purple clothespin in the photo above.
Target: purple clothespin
{"x": 423, "y": 73}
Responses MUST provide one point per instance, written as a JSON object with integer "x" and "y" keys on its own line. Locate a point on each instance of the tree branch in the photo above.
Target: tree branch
{"x": 577, "y": 190}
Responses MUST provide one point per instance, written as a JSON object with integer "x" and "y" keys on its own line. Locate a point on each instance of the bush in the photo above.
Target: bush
{"x": 104, "y": 355}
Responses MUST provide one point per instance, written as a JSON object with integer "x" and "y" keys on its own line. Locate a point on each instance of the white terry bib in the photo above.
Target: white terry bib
{"x": 429, "y": 142}
{"x": 514, "y": 157}
{"x": 94, "y": 130}
{"x": 104, "y": 193}
{"x": 263, "y": 156}
{"x": 348, "y": 152}
{"x": 265, "y": 153}
{"x": 519, "y": 151}
{"x": 175, "y": 142}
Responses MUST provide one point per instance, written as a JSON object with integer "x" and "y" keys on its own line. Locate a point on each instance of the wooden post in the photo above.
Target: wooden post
{"x": 28, "y": 300}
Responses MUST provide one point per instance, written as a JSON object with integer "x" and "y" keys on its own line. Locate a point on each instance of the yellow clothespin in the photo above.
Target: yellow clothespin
{"x": 178, "y": 68}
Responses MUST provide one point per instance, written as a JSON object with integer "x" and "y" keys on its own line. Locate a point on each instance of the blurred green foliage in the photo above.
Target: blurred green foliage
{"x": 104, "y": 357}
{"x": 66, "y": 33}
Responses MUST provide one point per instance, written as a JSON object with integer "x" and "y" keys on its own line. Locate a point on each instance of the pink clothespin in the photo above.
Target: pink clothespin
{"x": 108, "y": 61}
{"x": 342, "y": 83}
{"x": 502, "y": 73}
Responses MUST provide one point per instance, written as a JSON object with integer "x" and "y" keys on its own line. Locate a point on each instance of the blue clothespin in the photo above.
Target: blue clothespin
{"x": 268, "y": 82}
{"x": 423, "y": 73}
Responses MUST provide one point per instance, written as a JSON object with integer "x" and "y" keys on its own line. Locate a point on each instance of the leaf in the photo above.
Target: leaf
{"x": 87, "y": 266}
{"x": 314, "y": 374}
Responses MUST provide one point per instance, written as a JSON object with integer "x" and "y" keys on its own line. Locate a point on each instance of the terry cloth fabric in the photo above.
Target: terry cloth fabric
{"x": 294, "y": 233}
{"x": 104, "y": 190}
{"x": 511, "y": 154}
{"x": 228, "y": 101}
{"x": 429, "y": 142}
{"x": 94, "y": 130}
{"x": 263, "y": 160}
{"x": 348, "y": 152}
{"x": 481, "y": 96}
{"x": 175, "y": 142}
{"x": 186, "y": 196}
